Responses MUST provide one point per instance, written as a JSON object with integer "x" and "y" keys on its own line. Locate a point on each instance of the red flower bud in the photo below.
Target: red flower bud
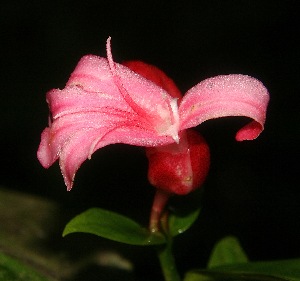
{"x": 175, "y": 168}
{"x": 179, "y": 168}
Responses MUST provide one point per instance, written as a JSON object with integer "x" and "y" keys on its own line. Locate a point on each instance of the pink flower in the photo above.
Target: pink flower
{"x": 105, "y": 103}
{"x": 178, "y": 167}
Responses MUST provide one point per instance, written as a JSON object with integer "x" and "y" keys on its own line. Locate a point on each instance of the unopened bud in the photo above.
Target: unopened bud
{"x": 179, "y": 168}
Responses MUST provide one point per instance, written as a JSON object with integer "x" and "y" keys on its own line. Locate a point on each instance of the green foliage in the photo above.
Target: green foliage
{"x": 228, "y": 262}
{"x": 112, "y": 226}
{"x": 229, "y": 276}
{"x": 13, "y": 270}
{"x": 119, "y": 228}
{"x": 285, "y": 270}
{"x": 179, "y": 223}
{"x": 27, "y": 222}
{"x": 227, "y": 251}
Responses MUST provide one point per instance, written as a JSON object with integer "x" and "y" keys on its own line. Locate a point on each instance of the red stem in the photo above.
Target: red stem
{"x": 160, "y": 200}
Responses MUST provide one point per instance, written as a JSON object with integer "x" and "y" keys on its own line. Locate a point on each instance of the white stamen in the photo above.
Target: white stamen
{"x": 174, "y": 128}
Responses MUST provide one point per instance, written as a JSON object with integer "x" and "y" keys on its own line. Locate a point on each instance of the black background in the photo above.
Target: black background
{"x": 253, "y": 187}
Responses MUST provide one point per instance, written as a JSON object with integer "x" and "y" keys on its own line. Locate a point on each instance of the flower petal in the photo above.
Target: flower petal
{"x": 92, "y": 112}
{"x": 155, "y": 75}
{"x": 226, "y": 95}
{"x": 149, "y": 101}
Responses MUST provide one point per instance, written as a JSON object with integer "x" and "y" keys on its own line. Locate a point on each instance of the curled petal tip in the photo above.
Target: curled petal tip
{"x": 44, "y": 154}
{"x": 249, "y": 132}
{"x": 226, "y": 95}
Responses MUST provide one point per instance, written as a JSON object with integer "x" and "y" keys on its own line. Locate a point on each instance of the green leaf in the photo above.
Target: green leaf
{"x": 229, "y": 276}
{"x": 13, "y": 270}
{"x": 114, "y": 227}
{"x": 227, "y": 251}
{"x": 180, "y": 222}
{"x": 285, "y": 270}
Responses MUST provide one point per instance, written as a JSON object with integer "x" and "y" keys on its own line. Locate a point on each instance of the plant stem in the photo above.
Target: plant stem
{"x": 167, "y": 261}
{"x": 160, "y": 200}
